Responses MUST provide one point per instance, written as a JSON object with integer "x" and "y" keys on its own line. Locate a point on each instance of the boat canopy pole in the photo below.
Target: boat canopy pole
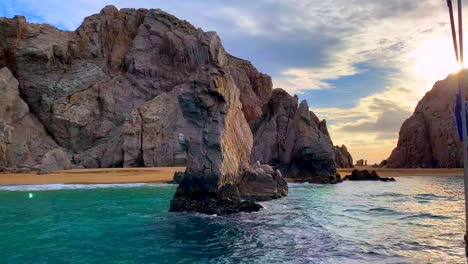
{"x": 461, "y": 91}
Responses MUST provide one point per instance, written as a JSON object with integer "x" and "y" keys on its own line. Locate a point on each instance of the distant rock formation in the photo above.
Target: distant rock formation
{"x": 360, "y": 162}
{"x": 365, "y": 175}
{"x": 343, "y": 158}
{"x": 429, "y": 138}
{"x": 293, "y": 139}
{"x": 383, "y": 164}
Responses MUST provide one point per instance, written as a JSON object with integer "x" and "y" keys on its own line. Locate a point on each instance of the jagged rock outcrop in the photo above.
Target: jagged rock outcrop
{"x": 365, "y": 175}
{"x": 360, "y": 163}
{"x": 255, "y": 87}
{"x": 261, "y": 182}
{"x": 86, "y": 85}
{"x": 23, "y": 139}
{"x": 292, "y": 138}
{"x": 343, "y": 158}
{"x": 138, "y": 87}
{"x": 429, "y": 139}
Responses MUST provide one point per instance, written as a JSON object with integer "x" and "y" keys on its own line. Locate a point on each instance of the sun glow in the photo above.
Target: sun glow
{"x": 435, "y": 59}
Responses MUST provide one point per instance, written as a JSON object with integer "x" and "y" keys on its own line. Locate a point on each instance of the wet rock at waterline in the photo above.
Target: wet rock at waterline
{"x": 365, "y": 175}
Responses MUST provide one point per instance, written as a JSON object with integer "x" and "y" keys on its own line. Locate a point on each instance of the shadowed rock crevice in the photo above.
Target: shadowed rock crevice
{"x": 293, "y": 139}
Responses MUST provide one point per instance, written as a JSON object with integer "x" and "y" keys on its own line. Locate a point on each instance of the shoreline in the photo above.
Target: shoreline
{"x": 93, "y": 176}
{"x": 164, "y": 174}
{"x": 405, "y": 172}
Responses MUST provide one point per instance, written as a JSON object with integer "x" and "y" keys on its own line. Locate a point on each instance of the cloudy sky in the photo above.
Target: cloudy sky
{"x": 361, "y": 64}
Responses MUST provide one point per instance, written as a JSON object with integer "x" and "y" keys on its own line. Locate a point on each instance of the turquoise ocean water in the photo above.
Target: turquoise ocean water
{"x": 415, "y": 220}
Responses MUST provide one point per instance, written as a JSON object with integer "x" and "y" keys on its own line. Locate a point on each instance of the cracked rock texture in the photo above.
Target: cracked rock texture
{"x": 23, "y": 139}
{"x": 429, "y": 138}
{"x": 292, "y": 138}
{"x": 139, "y": 87}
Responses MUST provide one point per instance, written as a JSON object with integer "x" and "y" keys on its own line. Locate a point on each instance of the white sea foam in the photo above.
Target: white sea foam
{"x": 51, "y": 187}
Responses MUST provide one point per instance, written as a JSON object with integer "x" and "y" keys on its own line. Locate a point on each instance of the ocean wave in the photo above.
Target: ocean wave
{"x": 54, "y": 187}
{"x": 389, "y": 194}
{"x": 430, "y": 196}
{"x": 425, "y": 216}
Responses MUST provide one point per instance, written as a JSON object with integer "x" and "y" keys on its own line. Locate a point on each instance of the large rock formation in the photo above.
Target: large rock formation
{"x": 23, "y": 140}
{"x": 139, "y": 87}
{"x": 343, "y": 158}
{"x": 429, "y": 139}
{"x": 95, "y": 89}
{"x": 292, "y": 138}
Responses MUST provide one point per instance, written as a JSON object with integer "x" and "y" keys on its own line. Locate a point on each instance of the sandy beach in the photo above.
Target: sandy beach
{"x": 406, "y": 172}
{"x": 164, "y": 174}
{"x": 94, "y": 176}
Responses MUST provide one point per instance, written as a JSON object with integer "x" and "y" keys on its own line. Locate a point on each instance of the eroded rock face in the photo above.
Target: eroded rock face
{"x": 150, "y": 134}
{"x": 365, "y": 175}
{"x": 54, "y": 160}
{"x": 88, "y": 87}
{"x": 429, "y": 139}
{"x": 255, "y": 87}
{"x": 343, "y": 158}
{"x": 292, "y": 138}
{"x": 23, "y": 139}
{"x": 137, "y": 87}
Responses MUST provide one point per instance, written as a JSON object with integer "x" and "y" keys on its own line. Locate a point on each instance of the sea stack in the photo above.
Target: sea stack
{"x": 429, "y": 138}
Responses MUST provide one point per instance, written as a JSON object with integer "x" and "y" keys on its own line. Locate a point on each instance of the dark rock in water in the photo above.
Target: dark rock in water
{"x": 429, "y": 138}
{"x": 391, "y": 179}
{"x": 214, "y": 206}
{"x": 338, "y": 178}
{"x": 262, "y": 183}
{"x": 343, "y": 158}
{"x": 293, "y": 139}
{"x": 365, "y": 175}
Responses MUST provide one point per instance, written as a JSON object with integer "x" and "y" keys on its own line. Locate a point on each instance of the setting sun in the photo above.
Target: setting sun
{"x": 435, "y": 59}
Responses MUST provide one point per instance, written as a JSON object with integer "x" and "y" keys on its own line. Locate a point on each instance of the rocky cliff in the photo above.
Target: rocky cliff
{"x": 343, "y": 158}
{"x": 429, "y": 139}
{"x": 138, "y": 87}
{"x": 292, "y": 138}
{"x": 23, "y": 139}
